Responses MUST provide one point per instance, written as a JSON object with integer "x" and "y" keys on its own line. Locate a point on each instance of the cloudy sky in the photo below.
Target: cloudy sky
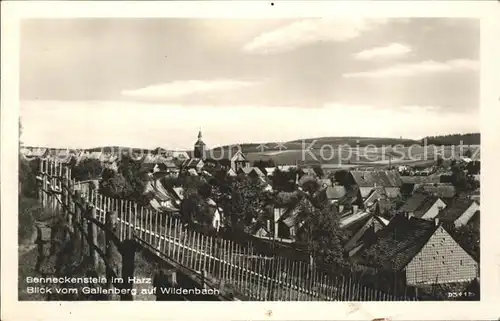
{"x": 155, "y": 82}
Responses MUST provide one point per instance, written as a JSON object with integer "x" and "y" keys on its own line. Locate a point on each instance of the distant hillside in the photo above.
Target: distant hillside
{"x": 321, "y": 141}
{"x": 302, "y": 152}
{"x": 357, "y": 141}
{"x": 455, "y": 139}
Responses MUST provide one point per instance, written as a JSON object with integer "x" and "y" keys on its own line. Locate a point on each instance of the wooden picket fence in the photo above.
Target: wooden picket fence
{"x": 258, "y": 277}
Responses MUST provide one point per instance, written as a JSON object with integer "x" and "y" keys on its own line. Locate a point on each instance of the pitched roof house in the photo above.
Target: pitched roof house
{"x": 350, "y": 201}
{"x": 459, "y": 212}
{"x": 215, "y": 213}
{"x": 254, "y": 172}
{"x": 180, "y": 155}
{"x": 424, "y": 206}
{"x": 177, "y": 193}
{"x": 231, "y": 172}
{"x": 193, "y": 163}
{"x": 233, "y": 155}
{"x": 288, "y": 218}
{"x": 376, "y": 193}
{"x": 443, "y": 190}
{"x": 354, "y": 217}
{"x": 335, "y": 193}
{"x": 365, "y": 234}
{"x": 423, "y": 249}
{"x": 367, "y": 179}
{"x": 283, "y": 168}
{"x": 430, "y": 179}
{"x": 161, "y": 199}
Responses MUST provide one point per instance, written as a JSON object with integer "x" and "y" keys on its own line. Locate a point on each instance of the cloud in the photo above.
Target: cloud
{"x": 306, "y": 32}
{"x": 419, "y": 68}
{"x": 177, "y": 89}
{"x": 390, "y": 51}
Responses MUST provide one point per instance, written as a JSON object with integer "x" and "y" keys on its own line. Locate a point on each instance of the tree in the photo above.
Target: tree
{"x": 190, "y": 184}
{"x": 29, "y": 208}
{"x": 322, "y": 233}
{"x": 169, "y": 181}
{"x": 461, "y": 181}
{"x": 263, "y": 164}
{"x": 115, "y": 185}
{"x": 468, "y": 236}
{"x": 27, "y": 177}
{"x": 87, "y": 169}
{"x": 245, "y": 202}
{"x": 318, "y": 170}
{"x": 473, "y": 168}
{"x": 284, "y": 180}
{"x": 341, "y": 177}
{"x": 311, "y": 186}
{"x": 194, "y": 209}
{"x": 128, "y": 182}
{"x": 205, "y": 190}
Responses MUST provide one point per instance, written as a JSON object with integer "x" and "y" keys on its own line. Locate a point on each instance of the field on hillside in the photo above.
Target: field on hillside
{"x": 330, "y": 156}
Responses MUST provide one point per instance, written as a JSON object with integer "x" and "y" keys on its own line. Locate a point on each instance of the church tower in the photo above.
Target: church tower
{"x": 199, "y": 147}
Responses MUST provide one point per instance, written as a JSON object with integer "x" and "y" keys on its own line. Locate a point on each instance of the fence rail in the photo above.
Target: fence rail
{"x": 256, "y": 276}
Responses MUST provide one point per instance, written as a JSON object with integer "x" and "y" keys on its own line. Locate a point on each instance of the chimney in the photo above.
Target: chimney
{"x": 341, "y": 208}
{"x": 436, "y": 221}
{"x": 354, "y": 209}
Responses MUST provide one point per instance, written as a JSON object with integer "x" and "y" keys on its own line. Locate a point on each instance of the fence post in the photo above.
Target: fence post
{"x": 113, "y": 256}
{"x": 65, "y": 200}
{"x": 204, "y": 279}
{"x": 77, "y": 235}
{"x": 270, "y": 283}
{"x": 92, "y": 232}
{"x": 39, "y": 182}
{"x": 128, "y": 248}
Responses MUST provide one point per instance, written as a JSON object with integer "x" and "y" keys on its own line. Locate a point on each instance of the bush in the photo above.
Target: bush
{"x": 29, "y": 210}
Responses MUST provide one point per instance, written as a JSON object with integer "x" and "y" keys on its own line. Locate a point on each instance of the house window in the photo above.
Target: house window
{"x": 461, "y": 263}
{"x": 433, "y": 257}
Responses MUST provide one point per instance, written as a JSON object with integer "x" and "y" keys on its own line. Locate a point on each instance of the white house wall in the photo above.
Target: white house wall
{"x": 434, "y": 210}
{"x": 467, "y": 215}
{"x": 441, "y": 261}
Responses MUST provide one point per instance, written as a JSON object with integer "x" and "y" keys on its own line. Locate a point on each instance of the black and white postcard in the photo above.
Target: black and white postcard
{"x": 254, "y": 152}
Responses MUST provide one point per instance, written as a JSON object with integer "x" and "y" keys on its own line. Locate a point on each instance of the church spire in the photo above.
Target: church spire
{"x": 199, "y": 147}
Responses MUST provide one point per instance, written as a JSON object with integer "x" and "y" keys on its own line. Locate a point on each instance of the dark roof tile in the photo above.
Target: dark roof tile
{"x": 439, "y": 189}
{"x": 377, "y": 178}
{"x": 455, "y": 209}
{"x": 399, "y": 242}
